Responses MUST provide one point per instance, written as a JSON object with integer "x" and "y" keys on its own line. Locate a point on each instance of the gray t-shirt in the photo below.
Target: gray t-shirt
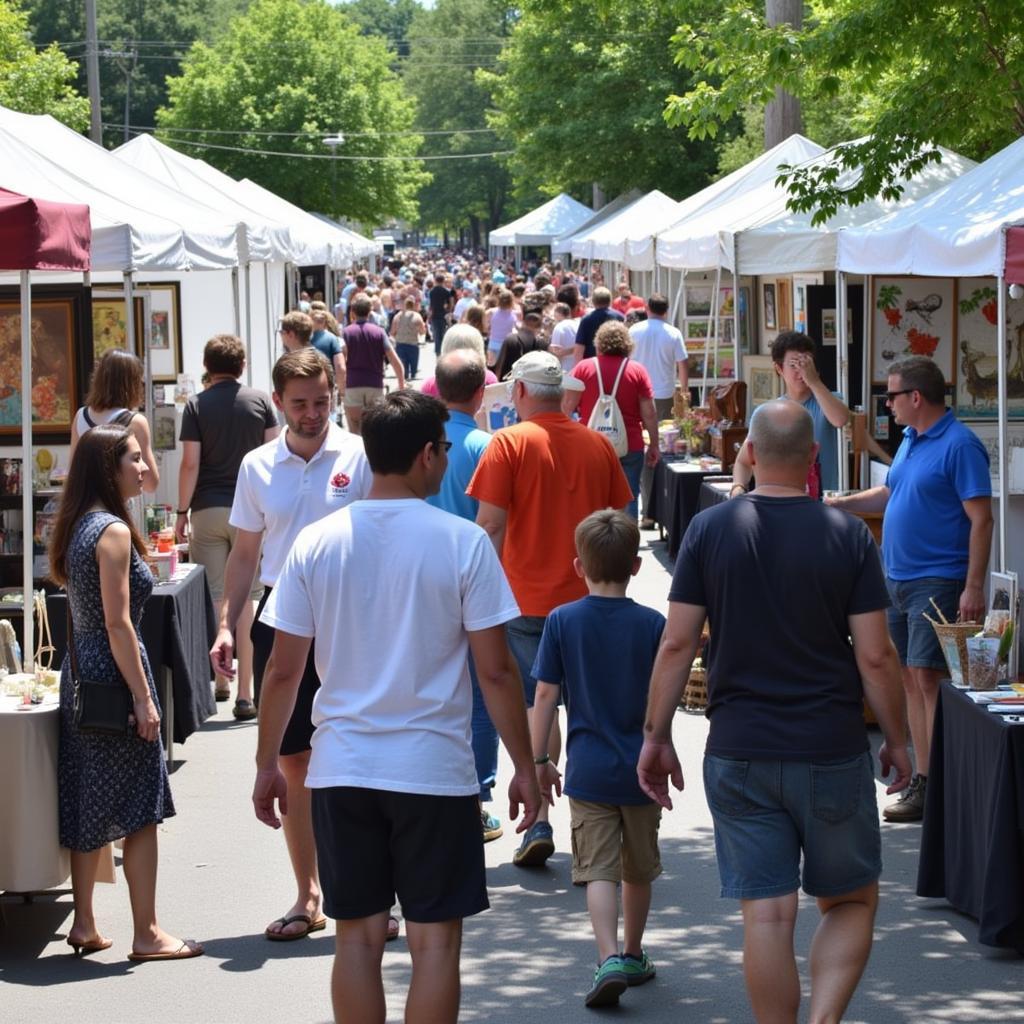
{"x": 228, "y": 420}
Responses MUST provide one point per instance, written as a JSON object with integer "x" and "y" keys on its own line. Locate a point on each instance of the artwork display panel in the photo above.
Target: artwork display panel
{"x": 912, "y": 316}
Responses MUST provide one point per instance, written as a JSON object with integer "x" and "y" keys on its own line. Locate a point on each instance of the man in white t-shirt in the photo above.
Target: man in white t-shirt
{"x": 563, "y": 335}
{"x": 312, "y": 469}
{"x": 467, "y": 300}
{"x": 661, "y": 351}
{"x": 392, "y": 773}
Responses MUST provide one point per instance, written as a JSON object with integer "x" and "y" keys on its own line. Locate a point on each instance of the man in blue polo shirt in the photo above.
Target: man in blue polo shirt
{"x": 460, "y": 384}
{"x": 936, "y": 537}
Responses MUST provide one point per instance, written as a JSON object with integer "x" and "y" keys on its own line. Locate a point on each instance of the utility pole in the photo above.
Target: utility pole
{"x": 92, "y": 70}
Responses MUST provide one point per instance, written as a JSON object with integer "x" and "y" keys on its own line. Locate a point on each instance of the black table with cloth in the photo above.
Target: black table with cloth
{"x": 178, "y": 628}
{"x": 674, "y": 498}
{"x": 972, "y": 840}
{"x": 714, "y": 491}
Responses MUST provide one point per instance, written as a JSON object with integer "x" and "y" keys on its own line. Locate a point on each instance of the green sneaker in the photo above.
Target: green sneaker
{"x": 637, "y": 969}
{"x": 609, "y": 983}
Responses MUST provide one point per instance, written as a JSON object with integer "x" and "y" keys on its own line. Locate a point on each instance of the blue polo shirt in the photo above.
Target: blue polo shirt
{"x": 468, "y": 444}
{"x": 926, "y": 531}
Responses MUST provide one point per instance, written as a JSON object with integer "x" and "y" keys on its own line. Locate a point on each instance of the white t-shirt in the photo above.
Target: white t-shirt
{"x": 389, "y": 588}
{"x": 461, "y": 306}
{"x": 563, "y": 334}
{"x": 278, "y": 492}
{"x": 659, "y": 346}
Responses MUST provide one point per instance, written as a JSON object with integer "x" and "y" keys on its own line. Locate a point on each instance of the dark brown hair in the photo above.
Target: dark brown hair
{"x": 921, "y": 374}
{"x": 118, "y": 382}
{"x": 361, "y": 305}
{"x": 790, "y": 341}
{"x": 91, "y": 480}
{"x": 302, "y": 364}
{"x": 224, "y": 353}
{"x": 607, "y": 543}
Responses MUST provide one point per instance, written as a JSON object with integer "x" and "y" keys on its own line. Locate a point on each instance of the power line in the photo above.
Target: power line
{"x": 332, "y": 156}
{"x": 311, "y": 134}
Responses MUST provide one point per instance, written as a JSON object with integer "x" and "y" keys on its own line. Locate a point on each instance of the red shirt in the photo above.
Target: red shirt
{"x": 623, "y": 306}
{"x": 634, "y": 385}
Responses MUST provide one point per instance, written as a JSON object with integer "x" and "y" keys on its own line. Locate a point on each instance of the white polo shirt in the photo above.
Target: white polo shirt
{"x": 390, "y": 588}
{"x": 278, "y": 492}
{"x": 659, "y": 346}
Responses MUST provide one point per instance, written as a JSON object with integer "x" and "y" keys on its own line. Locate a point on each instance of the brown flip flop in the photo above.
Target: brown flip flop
{"x": 185, "y": 951}
{"x": 311, "y": 926}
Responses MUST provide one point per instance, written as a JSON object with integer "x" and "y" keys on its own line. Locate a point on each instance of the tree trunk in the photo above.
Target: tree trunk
{"x": 474, "y": 231}
{"x": 782, "y": 116}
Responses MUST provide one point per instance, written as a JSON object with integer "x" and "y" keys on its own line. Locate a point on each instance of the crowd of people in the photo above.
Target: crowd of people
{"x": 378, "y": 729}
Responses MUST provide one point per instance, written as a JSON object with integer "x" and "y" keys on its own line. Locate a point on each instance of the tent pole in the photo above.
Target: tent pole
{"x": 842, "y": 373}
{"x": 714, "y": 332}
{"x": 1004, "y": 469}
{"x": 248, "y": 323}
{"x": 271, "y": 334}
{"x": 138, "y": 507}
{"x": 236, "y": 300}
{"x": 865, "y": 365}
{"x": 737, "y": 348}
{"x": 27, "y": 520}
{"x": 675, "y": 302}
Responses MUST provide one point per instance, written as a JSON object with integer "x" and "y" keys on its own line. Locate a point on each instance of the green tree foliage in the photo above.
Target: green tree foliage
{"x": 300, "y": 68}
{"x": 388, "y": 18}
{"x": 36, "y": 82}
{"x": 925, "y": 72}
{"x": 157, "y": 32}
{"x": 580, "y": 91}
{"x": 446, "y": 46}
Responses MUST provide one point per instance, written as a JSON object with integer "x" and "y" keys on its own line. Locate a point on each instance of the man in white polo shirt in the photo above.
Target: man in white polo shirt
{"x": 312, "y": 469}
{"x": 392, "y": 773}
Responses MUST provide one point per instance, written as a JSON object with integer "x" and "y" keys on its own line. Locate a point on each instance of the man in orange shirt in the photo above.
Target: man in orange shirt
{"x": 535, "y": 482}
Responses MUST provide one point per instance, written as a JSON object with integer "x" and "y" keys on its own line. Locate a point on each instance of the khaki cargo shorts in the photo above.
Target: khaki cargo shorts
{"x": 613, "y": 843}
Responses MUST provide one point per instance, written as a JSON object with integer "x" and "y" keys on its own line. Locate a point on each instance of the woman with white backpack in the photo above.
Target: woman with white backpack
{"x": 618, "y": 402}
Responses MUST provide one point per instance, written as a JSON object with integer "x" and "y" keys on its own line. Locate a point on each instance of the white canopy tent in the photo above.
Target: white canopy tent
{"x": 608, "y": 240}
{"x": 562, "y": 246}
{"x": 958, "y": 231}
{"x": 555, "y": 218}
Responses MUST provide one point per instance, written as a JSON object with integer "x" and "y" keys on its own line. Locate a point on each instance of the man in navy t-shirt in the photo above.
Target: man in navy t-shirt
{"x": 936, "y": 537}
{"x": 587, "y": 331}
{"x": 784, "y": 582}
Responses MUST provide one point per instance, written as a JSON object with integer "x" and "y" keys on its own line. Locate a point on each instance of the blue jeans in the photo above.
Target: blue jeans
{"x": 524, "y": 636}
{"x": 767, "y": 812}
{"x": 410, "y": 357}
{"x": 632, "y": 465}
{"x": 484, "y": 739}
{"x": 438, "y": 325}
{"x": 912, "y": 635}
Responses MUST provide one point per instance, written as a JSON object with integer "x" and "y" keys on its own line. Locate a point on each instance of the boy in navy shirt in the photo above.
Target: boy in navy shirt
{"x": 598, "y": 654}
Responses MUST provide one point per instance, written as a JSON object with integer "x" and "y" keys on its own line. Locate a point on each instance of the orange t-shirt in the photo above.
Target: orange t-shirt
{"x": 548, "y": 473}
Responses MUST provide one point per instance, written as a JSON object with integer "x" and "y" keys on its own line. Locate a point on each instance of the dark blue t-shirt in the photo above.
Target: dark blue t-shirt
{"x": 779, "y": 578}
{"x": 601, "y": 650}
{"x": 587, "y": 330}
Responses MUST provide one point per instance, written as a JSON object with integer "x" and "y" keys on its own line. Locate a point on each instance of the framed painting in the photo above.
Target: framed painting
{"x": 770, "y": 317}
{"x": 989, "y": 435}
{"x": 977, "y": 312}
{"x": 725, "y": 363}
{"x": 696, "y": 357}
{"x": 761, "y": 379}
{"x": 912, "y": 316}
{"x": 698, "y": 300}
{"x": 163, "y": 328}
{"x": 110, "y": 324}
{"x": 784, "y": 308}
{"x": 60, "y": 334}
{"x": 697, "y": 330}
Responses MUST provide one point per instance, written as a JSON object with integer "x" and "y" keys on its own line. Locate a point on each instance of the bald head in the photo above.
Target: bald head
{"x": 460, "y": 376}
{"x": 782, "y": 436}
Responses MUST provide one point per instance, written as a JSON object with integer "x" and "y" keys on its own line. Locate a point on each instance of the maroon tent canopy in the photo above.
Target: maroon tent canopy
{"x": 39, "y": 235}
{"x": 1015, "y": 255}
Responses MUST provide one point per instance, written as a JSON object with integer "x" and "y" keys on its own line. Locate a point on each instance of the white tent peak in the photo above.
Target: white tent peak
{"x": 541, "y": 226}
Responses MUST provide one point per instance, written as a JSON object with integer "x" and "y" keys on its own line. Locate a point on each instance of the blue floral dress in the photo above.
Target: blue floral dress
{"x": 109, "y": 786}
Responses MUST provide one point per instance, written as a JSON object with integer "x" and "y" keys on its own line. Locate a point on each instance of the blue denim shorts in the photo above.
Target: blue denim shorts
{"x": 768, "y": 813}
{"x": 911, "y": 632}
{"x": 524, "y": 636}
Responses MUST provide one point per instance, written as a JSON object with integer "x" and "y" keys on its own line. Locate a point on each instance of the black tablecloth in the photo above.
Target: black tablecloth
{"x": 675, "y": 498}
{"x": 178, "y": 629}
{"x": 972, "y": 841}
{"x": 714, "y": 491}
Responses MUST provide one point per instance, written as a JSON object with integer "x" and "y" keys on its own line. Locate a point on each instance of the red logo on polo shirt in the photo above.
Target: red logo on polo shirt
{"x": 339, "y": 482}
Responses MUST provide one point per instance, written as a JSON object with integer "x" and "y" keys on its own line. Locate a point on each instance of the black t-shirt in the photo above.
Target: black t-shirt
{"x": 587, "y": 330}
{"x": 439, "y": 297}
{"x": 779, "y": 578}
{"x": 228, "y": 420}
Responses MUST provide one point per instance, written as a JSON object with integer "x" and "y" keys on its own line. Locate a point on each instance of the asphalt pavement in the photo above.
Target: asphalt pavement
{"x": 224, "y": 877}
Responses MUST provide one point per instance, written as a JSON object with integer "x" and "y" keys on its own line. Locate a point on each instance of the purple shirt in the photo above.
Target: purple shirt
{"x": 365, "y": 347}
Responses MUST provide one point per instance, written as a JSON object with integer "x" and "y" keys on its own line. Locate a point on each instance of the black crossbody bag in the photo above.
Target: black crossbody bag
{"x": 101, "y": 706}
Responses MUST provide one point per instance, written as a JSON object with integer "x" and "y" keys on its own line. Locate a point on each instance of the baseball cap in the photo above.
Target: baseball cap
{"x": 543, "y": 368}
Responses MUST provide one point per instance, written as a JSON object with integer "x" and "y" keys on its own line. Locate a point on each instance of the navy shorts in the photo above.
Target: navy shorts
{"x": 372, "y": 844}
{"x": 768, "y": 813}
{"x": 911, "y": 632}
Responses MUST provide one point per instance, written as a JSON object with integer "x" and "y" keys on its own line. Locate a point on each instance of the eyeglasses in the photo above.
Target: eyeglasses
{"x": 446, "y": 445}
{"x": 890, "y": 396}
